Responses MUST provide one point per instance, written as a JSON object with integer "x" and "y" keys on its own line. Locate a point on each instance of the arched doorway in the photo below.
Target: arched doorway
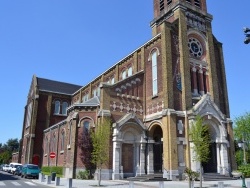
{"x": 128, "y": 153}
{"x": 211, "y": 165}
{"x": 35, "y": 160}
{"x": 158, "y": 149}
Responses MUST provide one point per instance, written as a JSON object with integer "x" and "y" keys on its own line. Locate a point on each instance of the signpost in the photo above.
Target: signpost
{"x": 52, "y": 155}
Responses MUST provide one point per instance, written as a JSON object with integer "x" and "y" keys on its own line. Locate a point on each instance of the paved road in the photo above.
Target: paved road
{"x": 10, "y": 181}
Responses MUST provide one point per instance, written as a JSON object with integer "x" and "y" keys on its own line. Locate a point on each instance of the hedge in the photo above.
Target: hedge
{"x": 57, "y": 169}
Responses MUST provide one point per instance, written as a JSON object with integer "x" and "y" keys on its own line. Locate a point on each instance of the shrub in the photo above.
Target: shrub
{"x": 245, "y": 169}
{"x": 57, "y": 169}
{"x": 84, "y": 175}
{"x": 192, "y": 175}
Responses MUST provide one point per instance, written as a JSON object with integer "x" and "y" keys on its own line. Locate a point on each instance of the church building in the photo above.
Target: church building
{"x": 153, "y": 96}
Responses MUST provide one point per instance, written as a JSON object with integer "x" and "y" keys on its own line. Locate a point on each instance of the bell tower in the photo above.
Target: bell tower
{"x": 193, "y": 64}
{"x": 164, "y": 11}
{"x": 191, "y": 23}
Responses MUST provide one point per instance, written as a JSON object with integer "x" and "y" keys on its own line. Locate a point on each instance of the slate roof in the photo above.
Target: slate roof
{"x": 95, "y": 101}
{"x": 56, "y": 87}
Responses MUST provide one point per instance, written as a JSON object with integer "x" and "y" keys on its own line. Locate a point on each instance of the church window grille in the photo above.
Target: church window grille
{"x": 161, "y": 5}
{"x": 154, "y": 74}
{"x": 197, "y": 3}
{"x": 169, "y": 2}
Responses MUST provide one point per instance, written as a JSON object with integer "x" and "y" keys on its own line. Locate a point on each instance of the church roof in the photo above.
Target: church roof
{"x": 56, "y": 87}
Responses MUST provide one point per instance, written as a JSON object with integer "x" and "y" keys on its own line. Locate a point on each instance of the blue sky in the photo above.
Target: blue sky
{"x": 76, "y": 40}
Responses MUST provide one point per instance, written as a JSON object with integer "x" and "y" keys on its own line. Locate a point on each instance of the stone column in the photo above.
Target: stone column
{"x": 116, "y": 158}
{"x": 142, "y": 159}
{"x": 194, "y": 79}
{"x": 150, "y": 157}
{"x": 218, "y": 158}
{"x": 201, "y": 83}
{"x": 224, "y": 159}
{"x": 207, "y": 81}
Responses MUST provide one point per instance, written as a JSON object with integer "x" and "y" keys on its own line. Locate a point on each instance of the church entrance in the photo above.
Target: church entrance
{"x": 211, "y": 165}
{"x": 127, "y": 158}
{"x": 158, "y": 150}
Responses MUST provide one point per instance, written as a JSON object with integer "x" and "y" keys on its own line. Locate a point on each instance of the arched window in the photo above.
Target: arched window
{"x": 124, "y": 74}
{"x": 57, "y": 107}
{"x": 112, "y": 80}
{"x": 86, "y": 125}
{"x": 64, "y": 108}
{"x": 70, "y": 133}
{"x": 46, "y": 145}
{"x": 28, "y": 116}
{"x": 85, "y": 97}
{"x": 130, "y": 71}
{"x": 62, "y": 140}
{"x": 53, "y": 143}
{"x": 154, "y": 74}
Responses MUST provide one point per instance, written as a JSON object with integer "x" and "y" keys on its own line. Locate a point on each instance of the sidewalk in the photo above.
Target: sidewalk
{"x": 125, "y": 184}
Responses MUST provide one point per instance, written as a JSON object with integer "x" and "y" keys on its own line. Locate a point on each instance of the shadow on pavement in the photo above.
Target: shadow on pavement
{"x": 6, "y": 176}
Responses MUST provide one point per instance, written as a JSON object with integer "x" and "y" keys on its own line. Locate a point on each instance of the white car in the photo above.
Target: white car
{"x": 5, "y": 168}
{"x": 13, "y": 167}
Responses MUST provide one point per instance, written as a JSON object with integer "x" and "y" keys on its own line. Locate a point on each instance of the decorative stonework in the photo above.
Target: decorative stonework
{"x": 177, "y": 74}
{"x": 195, "y": 21}
{"x": 128, "y": 108}
{"x": 155, "y": 107}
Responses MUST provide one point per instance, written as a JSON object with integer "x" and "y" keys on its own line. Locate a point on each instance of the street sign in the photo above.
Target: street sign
{"x": 52, "y": 155}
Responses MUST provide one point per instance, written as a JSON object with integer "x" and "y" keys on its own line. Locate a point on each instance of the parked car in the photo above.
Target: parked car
{"x": 18, "y": 170}
{"x": 30, "y": 170}
{"x": 11, "y": 165}
{"x": 1, "y": 167}
{"x": 5, "y": 167}
{"x": 13, "y": 168}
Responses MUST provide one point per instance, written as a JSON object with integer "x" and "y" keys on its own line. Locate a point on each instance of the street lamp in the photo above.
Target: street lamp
{"x": 247, "y": 39}
{"x": 241, "y": 144}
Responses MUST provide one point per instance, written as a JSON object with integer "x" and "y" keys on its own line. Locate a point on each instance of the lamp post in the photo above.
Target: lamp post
{"x": 241, "y": 144}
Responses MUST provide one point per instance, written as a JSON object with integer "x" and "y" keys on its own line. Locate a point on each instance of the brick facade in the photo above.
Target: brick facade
{"x": 191, "y": 80}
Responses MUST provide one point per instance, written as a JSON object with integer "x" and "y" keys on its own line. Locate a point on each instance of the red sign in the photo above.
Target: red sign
{"x": 52, "y": 155}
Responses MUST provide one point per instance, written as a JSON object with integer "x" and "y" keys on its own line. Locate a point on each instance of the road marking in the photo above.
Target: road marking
{"x": 30, "y": 183}
{"x": 16, "y": 183}
{"x": 2, "y": 183}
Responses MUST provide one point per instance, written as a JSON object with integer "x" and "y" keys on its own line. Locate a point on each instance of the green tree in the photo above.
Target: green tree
{"x": 101, "y": 143}
{"x": 6, "y": 150}
{"x": 12, "y": 145}
{"x": 201, "y": 140}
{"x": 242, "y": 131}
{"x": 5, "y": 157}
